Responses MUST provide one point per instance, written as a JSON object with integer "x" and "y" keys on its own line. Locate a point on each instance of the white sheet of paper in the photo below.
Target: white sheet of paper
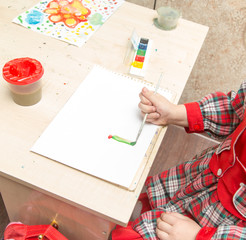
{"x": 105, "y": 103}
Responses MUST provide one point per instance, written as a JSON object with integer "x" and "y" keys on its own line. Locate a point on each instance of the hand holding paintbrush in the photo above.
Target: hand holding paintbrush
{"x": 161, "y": 111}
{"x": 132, "y": 143}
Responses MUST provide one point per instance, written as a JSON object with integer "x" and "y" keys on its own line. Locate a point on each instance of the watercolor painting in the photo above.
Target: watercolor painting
{"x": 72, "y": 21}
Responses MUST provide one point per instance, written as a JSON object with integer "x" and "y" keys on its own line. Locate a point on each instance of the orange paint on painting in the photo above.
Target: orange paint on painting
{"x": 70, "y": 13}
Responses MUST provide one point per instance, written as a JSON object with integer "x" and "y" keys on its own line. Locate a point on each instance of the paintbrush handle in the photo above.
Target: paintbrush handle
{"x": 158, "y": 83}
{"x": 146, "y": 115}
{"x": 141, "y": 127}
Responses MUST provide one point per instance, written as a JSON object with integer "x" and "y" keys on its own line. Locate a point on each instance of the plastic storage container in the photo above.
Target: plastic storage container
{"x": 24, "y": 78}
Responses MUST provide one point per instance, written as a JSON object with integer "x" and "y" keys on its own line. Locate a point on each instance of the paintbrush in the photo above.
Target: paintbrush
{"x": 119, "y": 139}
{"x": 146, "y": 115}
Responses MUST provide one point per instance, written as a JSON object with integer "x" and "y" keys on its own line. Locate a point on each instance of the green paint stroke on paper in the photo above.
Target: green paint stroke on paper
{"x": 123, "y": 140}
{"x": 20, "y": 19}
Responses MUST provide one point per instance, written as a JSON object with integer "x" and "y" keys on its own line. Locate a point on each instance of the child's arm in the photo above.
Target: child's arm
{"x": 218, "y": 113}
{"x": 221, "y": 113}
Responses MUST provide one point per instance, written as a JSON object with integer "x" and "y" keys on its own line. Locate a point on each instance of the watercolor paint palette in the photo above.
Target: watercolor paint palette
{"x": 72, "y": 21}
{"x": 141, "y": 57}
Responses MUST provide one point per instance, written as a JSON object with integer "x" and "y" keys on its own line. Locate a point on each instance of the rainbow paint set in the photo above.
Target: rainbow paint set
{"x": 141, "y": 56}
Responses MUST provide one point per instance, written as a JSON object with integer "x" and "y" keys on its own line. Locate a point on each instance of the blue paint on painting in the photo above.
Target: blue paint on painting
{"x": 34, "y": 17}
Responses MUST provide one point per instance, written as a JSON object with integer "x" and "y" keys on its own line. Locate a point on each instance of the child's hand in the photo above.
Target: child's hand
{"x": 156, "y": 106}
{"x": 174, "y": 226}
{"x": 160, "y": 110}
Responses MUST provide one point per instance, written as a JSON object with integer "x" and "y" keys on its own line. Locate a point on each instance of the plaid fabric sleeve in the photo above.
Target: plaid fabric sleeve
{"x": 226, "y": 232}
{"x": 222, "y": 233}
{"x": 221, "y": 112}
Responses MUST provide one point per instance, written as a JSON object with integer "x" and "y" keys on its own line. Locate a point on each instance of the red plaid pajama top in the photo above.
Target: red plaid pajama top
{"x": 211, "y": 188}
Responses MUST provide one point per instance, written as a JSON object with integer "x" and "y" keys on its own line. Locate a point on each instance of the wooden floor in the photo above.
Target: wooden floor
{"x": 176, "y": 147}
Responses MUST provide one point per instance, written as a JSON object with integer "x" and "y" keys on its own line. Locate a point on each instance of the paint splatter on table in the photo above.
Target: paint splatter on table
{"x": 72, "y": 21}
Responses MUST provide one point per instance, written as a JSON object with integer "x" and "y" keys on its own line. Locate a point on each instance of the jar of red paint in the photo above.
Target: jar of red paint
{"x": 24, "y": 78}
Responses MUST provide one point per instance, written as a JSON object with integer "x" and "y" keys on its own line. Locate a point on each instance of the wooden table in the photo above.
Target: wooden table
{"x": 37, "y": 190}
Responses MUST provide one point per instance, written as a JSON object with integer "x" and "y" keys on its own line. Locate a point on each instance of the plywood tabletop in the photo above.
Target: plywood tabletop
{"x": 174, "y": 53}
